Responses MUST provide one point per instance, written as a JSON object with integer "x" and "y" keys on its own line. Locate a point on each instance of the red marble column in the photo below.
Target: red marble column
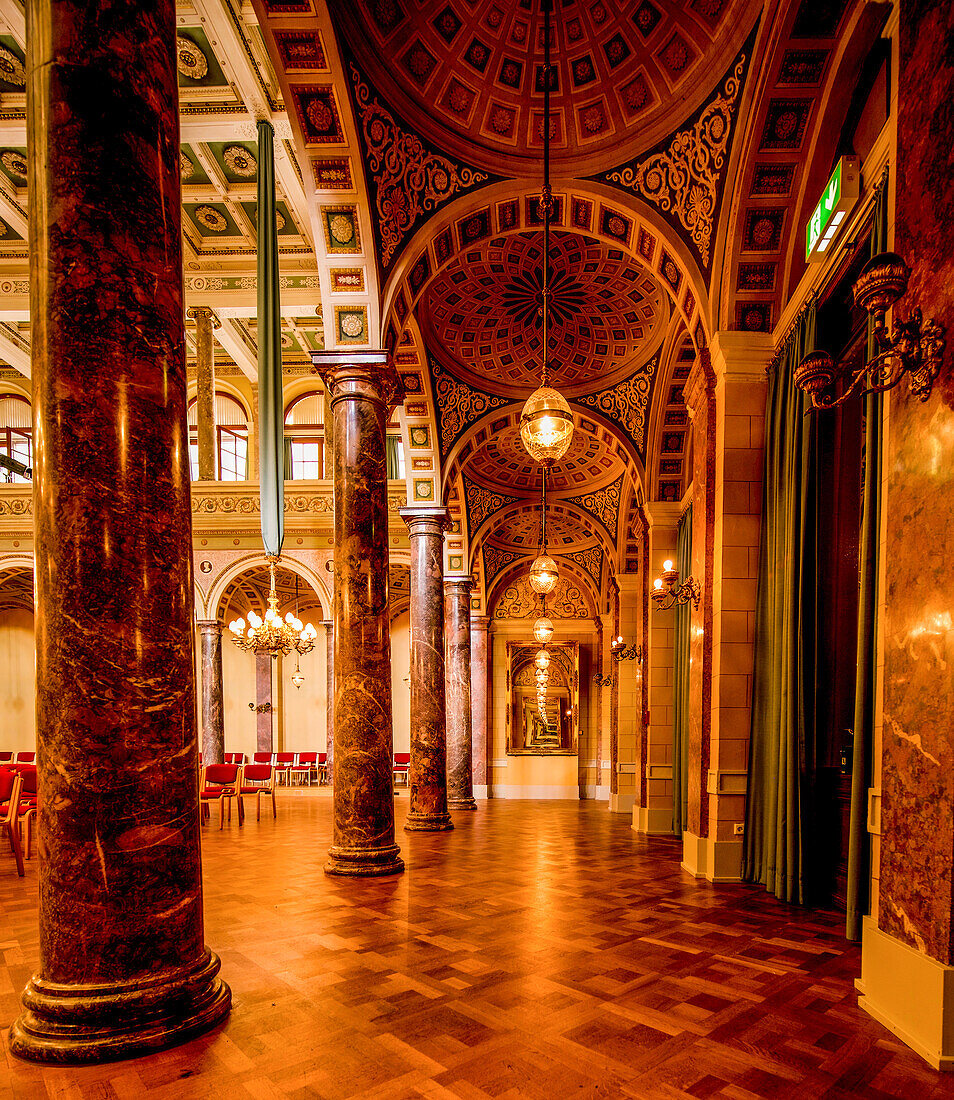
{"x": 264, "y": 724}
{"x": 330, "y": 719}
{"x": 213, "y": 723}
{"x": 361, "y": 385}
{"x": 428, "y": 774}
{"x": 123, "y": 964}
{"x": 479, "y": 699}
{"x": 460, "y": 789}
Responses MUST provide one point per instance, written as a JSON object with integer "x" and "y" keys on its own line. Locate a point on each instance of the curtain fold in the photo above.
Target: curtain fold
{"x": 680, "y": 692}
{"x": 271, "y": 442}
{"x": 392, "y": 446}
{"x": 781, "y": 756}
{"x": 866, "y": 671}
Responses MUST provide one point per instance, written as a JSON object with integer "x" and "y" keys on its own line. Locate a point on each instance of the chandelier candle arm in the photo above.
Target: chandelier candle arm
{"x": 273, "y": 635}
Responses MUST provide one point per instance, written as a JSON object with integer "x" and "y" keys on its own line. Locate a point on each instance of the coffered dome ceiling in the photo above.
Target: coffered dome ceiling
{"x": 522, "y": 533}
{"x": 482, "y": 315}
{"x": 470, "y": 72}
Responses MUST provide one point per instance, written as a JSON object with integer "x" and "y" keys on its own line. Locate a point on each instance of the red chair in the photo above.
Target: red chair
{"x": 258, "y": 779}
{"x": 5, "y": 757}
{"x": 220, "y": 783}
{"x": 283, "y": 762}
{"x": 262, "y": 758}
{"x": 402, "y": 765}
{"x": 235, "y": 758}
{"x": 9, "y": 808}
{"x": 306, "y": 763}
{"x": 26, "y": 757}
{"x": 321, "y": 768}
{"x": 26, "y": 809}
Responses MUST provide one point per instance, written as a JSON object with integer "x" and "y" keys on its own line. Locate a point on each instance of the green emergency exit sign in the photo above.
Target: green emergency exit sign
{"x": 837, "y": 199}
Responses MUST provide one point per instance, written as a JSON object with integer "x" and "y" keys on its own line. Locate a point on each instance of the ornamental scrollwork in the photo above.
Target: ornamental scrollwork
{"x": 603, "y": 504}
{"x": 249, "y": 505}
{"x": 685, "y": 178}
{"x": 410, "y": 181}
{"x": 496, "y": 559}
{"x": 519, "y": 601}
{"x": 625, "y": 404}
{"x": 16, "y": 506}
{"x": 591, "y": 560}
{"x": 481, "y": 502}
{"x": 458, "y": 405}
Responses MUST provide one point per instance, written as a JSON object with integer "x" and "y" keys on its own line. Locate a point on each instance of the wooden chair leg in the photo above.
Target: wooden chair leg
{"x": 241, "y": 809}
{"x": 258, "y": 806}
{"x": 221, "y": 812}
{"x": 274, "y": 808}
{"x": 17, "y": 851}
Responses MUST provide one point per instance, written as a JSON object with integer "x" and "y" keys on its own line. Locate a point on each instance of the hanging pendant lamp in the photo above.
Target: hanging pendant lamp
{"x": 546, "y": 424}
{"x": 543, "y": 572}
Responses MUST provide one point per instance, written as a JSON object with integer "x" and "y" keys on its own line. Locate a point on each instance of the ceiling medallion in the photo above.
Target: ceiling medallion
{"x": 546, "y": 423}
{"x": 11, "y": 68}
{"x": 15, "y": 163}
{"x": 190, "y": 60}
{"x": 342, "y": 228}
{"x": 209, "y": 217}
{"x": 240, "y": 161}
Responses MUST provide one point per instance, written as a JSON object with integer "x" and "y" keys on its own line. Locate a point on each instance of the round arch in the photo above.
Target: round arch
{"x": 212, "y": 604}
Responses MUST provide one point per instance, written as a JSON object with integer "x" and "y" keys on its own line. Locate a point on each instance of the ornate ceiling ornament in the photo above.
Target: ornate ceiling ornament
{"x": 519, "y": 601}
{"x": 240, "y": 161}
{"x": 626, "y": 403}
{"x": 190, "y": 60}
{"x": 685, "y": 178}
{"x": 409, "y": 180}
{"x": 11, "y": 68}
{"x": 481, "y": 502}
{"x": 186, "y": 167}
{"x": 15, "y": 163}
{"x": 591, "y": 560}
{"x": 458, "y": 405}
{"x": 603, "y": 504}
{"x": 210, "y": 218}
{"x": 495, "y": 560}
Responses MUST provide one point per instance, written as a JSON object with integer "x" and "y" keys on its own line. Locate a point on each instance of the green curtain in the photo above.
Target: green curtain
{"x": 391, "y": 453}
{"x": 680, "y": 688}
{"x": 271, "y": 439}
{"x": 781, "y": 759}
{"x": 866, "y": 672}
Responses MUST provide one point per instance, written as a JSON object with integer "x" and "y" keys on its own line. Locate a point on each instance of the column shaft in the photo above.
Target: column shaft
{"x": 330, "y": 717}
{"x": 478, "y": 702}
{"x": 123, "y": 966}
{"x": 428, "y": 772}
{"x": 460, "y": 789}
{"x": 213, "y": 725}
{"x": 361, "y": 386}
{"x": 264, "y": 726}
{"x": 205, "y": 321}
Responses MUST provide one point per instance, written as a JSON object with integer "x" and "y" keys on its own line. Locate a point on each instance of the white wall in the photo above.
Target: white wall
{"x": 401, "y": 691}
{"x": 17, "y": 681}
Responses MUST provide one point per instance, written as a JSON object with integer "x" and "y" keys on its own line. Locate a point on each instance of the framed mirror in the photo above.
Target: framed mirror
{"x": 551, "y": 730}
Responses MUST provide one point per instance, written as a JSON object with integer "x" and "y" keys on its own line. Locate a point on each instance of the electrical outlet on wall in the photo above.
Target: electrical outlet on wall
{"x": 738, "y": 828}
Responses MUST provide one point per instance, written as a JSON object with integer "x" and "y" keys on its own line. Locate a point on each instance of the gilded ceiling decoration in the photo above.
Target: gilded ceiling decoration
{"x": 495, "y": 560}
{"x": 502, "y": 460}
{"x": 458, "y": 405}
{"x": 409, "y": 180}
{"x": 518, "y": 601}
{"x": 481, "y": 502}
{"x": 591, "y": 560}
{"x": 470, "y": 74}
{"x": 684, "y": 179}
{"x": 603, "y": 504}
{"x": 522, "y": 530}
{"x": 625, "y": 404}
{"x": 483, "y": 312}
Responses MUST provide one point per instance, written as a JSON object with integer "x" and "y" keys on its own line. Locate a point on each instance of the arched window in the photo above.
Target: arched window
{"x": 305, "y": 438}
{"x": 16, "y": 433}
{"x": 231, "y": 429}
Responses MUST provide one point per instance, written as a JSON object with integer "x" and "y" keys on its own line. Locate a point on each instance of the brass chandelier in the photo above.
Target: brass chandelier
{"x": 273, "y": 634}
{"x": 546, "y": 424}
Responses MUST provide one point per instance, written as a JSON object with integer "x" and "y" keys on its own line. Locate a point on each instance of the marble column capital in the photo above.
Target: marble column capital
{"x": 210, "y": 624}
{"x": 741, "y": 356}
{"x": 359, "y": 375}
{"x": 425, "y": 519}
{"x": 458, "y": 586}
{"x": 201, "y": 314}
{"x": 479, "y": 622}
{"x": 663, "y": 513}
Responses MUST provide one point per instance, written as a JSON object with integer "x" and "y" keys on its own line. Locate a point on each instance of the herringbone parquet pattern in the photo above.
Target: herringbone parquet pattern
{"x": 540, "y": 950}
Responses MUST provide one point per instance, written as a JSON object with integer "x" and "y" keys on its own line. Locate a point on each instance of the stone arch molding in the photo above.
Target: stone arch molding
{"x": 585, "y": 207}
{"x": 210, "y": 603}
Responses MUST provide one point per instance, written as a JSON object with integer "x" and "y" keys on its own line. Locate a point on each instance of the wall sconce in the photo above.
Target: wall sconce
{"x": 913, "y": 347}
{"x": 620, "y": 652}
{"x": 667, "y": 591}
{"x": 603, "y": 681}
{"x": 262, "y": 708}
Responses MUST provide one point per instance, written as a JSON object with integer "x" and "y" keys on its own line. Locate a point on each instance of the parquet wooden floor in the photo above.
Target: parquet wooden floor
{"x": 540, "y": 950}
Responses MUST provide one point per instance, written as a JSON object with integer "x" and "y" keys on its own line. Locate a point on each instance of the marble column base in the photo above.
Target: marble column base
{"x": 82, "y": 1024}
{"x": 364, "y": 862}
{"x": 427, "y": 823}
{"x": 461, "y": 804}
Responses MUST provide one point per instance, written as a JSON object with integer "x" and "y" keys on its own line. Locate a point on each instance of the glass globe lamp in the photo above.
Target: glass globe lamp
{"x": 543, "y": 630}
{"x": 542, "y": 659}
{"x": 546, "y": 426}
{"x": 543, "y": 575}
{"x": 542, "y": 677}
